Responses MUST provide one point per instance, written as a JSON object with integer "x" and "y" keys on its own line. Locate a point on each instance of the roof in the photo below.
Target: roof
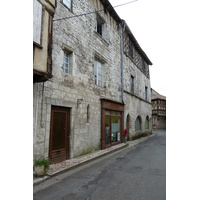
{"x": 112, "y": 11}
{"x": 136, "y": 44}
{"x": 156, "y": 95}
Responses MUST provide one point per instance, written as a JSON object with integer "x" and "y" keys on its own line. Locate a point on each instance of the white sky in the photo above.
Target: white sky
{"x": 152, "y": 22}
{"x": 146, "y": 19}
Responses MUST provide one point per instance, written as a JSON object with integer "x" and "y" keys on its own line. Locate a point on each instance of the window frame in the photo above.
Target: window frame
{"x": 100, "y": 25}
{"x": 140, "y": 124}
{"x": 96, "y": 72}
{"x": 132, "y": 84}
{"x": 146, "y": 92}
{"x": 69, "y": 51}
{"x": 66, "y": 69}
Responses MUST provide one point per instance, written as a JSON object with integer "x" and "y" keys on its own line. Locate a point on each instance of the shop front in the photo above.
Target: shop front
{"x": 112, "y": 116}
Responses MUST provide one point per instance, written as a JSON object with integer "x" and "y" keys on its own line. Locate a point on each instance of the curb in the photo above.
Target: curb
{"x": 128, "y": 144}
{"x": 43, "y": 179}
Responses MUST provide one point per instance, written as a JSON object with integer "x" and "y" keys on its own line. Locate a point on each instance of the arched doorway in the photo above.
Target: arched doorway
{"x": 128, "y": 125}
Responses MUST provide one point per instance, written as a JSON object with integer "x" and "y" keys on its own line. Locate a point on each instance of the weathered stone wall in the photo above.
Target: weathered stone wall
{"x": 135, "y": 104}
{"x": 79, "y": 36}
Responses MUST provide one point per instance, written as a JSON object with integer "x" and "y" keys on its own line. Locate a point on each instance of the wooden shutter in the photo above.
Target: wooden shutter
{"x": 37, "y": 22}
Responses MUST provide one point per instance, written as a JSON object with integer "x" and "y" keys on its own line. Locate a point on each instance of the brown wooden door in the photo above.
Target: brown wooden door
{"x": 59, "y": 134}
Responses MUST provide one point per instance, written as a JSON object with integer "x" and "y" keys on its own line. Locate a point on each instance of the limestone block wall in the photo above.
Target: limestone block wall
{"x": 135, "y": 103}
{"x": 77, "y": 90}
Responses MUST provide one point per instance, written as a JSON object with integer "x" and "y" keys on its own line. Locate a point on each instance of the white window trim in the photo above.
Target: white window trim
{"x": 66, "y": 64}
{"x": 68, "y": 50}
{"x": 96, "y": 69}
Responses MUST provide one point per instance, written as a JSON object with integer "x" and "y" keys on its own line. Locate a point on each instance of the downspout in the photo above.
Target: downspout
{"x": 37, "y": 102}
{"x": 41, "y": 124}
{"x": 122, "y": 46}
{"x": 122, "y": 28}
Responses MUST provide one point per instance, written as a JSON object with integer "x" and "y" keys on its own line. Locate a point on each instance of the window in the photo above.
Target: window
{"x": 138, "y": 124}
{"x": 67, "y": 66}
{"x": 67, "y": 3}
{"x": 88, "y": 113}
{"x": 100, "y": 25}
{"x": 112, "y": 127}
{"x": 98, "y": 73}
{"x": 132, "y": 84}
{"x": 66, "y": 63}
{"x": 99, "y": 29}
{"x": 146, "y": 93}
{"x": 147, "y": 123}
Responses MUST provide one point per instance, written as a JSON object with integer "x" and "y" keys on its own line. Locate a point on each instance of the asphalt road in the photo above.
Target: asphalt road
{"x": 135, "y": 173}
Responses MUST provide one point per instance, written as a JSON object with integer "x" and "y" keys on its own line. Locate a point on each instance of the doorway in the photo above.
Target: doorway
{"x": 59, "y": 134}
{"x": 127, "y": 125}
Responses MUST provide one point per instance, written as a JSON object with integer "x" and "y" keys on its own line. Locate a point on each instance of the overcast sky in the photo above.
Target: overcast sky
{"x": 146, "y": 19}
{"x": 152, "y": 23}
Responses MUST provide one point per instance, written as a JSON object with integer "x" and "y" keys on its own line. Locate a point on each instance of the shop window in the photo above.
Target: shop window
{"x": 138, "y": 124}
{"x": 111, "y": 123}
{"x": 112, "y": 128}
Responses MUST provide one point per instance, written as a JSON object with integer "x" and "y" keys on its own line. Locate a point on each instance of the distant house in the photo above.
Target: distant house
{"x": 158, "y": 110}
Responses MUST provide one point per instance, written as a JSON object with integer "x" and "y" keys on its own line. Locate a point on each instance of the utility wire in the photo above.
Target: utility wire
{"x": 93, "y": 11}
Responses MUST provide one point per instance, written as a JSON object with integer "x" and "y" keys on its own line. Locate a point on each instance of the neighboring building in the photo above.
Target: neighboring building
{"x": 158, "y": 110}
{"x": 137, "y": 89}
{"x": 90, "y": 100}
{"x": 43, "y": 12}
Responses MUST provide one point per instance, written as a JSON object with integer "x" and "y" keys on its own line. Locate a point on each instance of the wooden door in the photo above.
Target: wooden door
{"x": 59, "y": 134}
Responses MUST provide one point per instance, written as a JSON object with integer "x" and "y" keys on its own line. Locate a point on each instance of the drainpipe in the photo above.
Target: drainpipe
{"x": 122, "y": 27}
{"x": 41, "y": 124}
{"x": 36, "y": 115}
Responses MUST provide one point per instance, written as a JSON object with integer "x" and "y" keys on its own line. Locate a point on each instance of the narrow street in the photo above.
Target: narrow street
{"x": 135, "y": 173}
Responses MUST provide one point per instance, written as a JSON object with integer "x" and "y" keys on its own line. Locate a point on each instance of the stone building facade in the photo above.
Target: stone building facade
{"x": 91, "y": 96}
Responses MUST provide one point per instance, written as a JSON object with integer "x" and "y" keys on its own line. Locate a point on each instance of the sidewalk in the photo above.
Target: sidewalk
{"x": 66, "y": 165}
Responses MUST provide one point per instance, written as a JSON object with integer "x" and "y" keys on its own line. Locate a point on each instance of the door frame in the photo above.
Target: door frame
{"x": 107, "y": 104}
{"x": 67, "y": 131}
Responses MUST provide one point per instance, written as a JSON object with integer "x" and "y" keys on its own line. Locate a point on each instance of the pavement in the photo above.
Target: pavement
{"x": 67, "y": 165}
